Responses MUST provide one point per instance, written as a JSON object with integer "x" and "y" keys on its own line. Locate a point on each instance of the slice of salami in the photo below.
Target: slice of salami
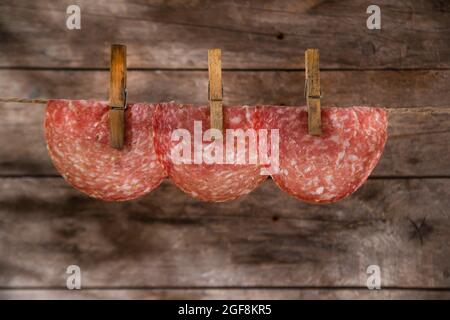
{"x": 332, "y": 166}
{"x": 78, "y": 142}
{"x": 201, "y": 174}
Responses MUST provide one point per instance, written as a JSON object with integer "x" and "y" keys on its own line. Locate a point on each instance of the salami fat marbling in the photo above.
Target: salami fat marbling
{"x": 205, "y": 181}
{"x": 329, "y": 167}
{"x": 319, "y": 169}
{"x": 78, "y": 142}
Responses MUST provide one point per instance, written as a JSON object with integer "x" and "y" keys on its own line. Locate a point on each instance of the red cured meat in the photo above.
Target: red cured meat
{"x": 78, "y": 142}
{"x": 330, "y": 167}
{"x": 208, "y": 182}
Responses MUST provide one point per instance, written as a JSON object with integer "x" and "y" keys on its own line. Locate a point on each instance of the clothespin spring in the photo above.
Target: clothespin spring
{"x": 311, "y": 96}
{"x": 125, "y": 102}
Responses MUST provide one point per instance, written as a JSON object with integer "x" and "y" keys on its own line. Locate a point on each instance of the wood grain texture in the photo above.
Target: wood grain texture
{"x": 312, "y": 88}
{"x": 414, "y": 139}
{"x": 265, "y": 239}
{"x": 339, "y": 88}
{"x": 264, "y": 245}
{"x": 227, "y": 294}
{"x": 117, "y": 95}
{"x": 252, "y": 34}
{"x": 215, "y": 88}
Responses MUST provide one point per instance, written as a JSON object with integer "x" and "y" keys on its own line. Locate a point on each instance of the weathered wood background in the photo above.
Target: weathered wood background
{"x": 265, "y": 245}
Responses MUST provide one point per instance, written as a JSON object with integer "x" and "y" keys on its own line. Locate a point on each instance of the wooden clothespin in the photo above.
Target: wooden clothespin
{"x": 117, "y": 95}
{"x": 215, "y": 88}
{"x": 312, "y": 91}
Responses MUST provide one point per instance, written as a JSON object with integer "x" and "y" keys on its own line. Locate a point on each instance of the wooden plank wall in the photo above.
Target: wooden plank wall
{"x": 266, "y": 244}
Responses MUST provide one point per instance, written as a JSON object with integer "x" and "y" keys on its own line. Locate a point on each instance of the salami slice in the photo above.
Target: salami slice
{"x": 332, "y": 166}
{"x": 202, "y": 177}
{"x": 78, "y": 142}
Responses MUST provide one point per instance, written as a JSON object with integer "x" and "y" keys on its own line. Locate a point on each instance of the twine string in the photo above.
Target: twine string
{"x": 24, "y": 100}
{"x": 404, "y": 110}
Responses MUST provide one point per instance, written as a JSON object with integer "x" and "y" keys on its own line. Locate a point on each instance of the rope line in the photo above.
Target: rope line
{"x": 24, "y": 100}
{"x": 405, "y": 110}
